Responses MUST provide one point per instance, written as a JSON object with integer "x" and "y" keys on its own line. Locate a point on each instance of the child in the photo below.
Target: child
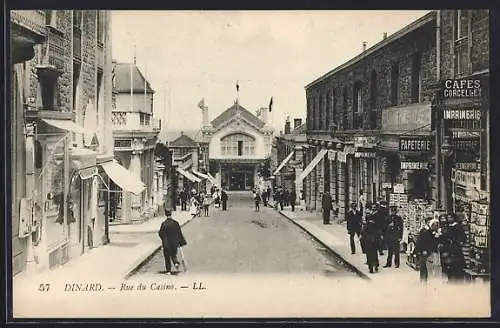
{"x": 206, "y": 203}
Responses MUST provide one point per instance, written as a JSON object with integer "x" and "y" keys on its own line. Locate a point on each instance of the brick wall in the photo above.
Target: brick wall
{"x": 402, "y": 51}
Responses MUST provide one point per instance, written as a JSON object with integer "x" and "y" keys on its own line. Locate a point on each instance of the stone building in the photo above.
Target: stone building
{"x": 291, "y": 147}
{"x": 357, "y": 112}
{"x": 238, "y": 142}
{"x": 61, "y": 97}
{"x": 185, "y": 154}
{"x": 135, "y": 133}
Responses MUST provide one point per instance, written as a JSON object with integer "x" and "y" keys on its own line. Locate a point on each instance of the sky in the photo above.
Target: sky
{"x": 192, "y": 55}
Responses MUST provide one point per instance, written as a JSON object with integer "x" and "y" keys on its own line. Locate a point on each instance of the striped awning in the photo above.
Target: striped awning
{"x": 311, "y": 165}
{"x": 283, "y": 163}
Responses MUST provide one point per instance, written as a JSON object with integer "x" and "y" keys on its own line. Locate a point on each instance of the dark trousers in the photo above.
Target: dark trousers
{"x": 170, "y": 254}
{"x": 183, "y": 205}
{"x": 326, "y": 216}
{"x": 257, "y": 206}
{"x": 422, "y": 263}
{"x": 205, "y": 207}
{"x": 224, "y": 205}
{"x": 393, "y": 249}
{"x": 281, "y": 205}
{"x": 351, "y": 240}
{"x": 293, "y": 205}
{"x": 371, "y": 255}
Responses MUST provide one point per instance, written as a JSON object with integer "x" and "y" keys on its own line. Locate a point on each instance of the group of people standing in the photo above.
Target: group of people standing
{"x": 202, "y": 201}
{"x": 377, "y": 230}
{"x": 283, "y": 197}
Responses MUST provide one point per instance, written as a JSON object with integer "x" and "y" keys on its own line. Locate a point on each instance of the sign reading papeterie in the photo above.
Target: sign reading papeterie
{"x": 415, "y": 144}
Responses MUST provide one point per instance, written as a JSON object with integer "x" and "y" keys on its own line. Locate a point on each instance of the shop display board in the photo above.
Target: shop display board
{"x": 477, "y": 257}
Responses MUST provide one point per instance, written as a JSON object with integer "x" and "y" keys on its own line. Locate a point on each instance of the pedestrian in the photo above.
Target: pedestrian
{"x": 293, "y": 198}
{"x": 354, "y": 224}
{"x": 206, "y": 204}
{"x": 281, "y": 197}
{"x": 194, "y": 208}
{"x": 263, "y": 196}
{"x": 256, "y": 198}
{"x": 370, "y": 235}
{"x": 286, "y": 197}
{"x": 301, "y": 199}
{"x": 171, "y": 238}
{"x": 426, "y": 248}
{"x": 183, "y": 195}
{"x": 326, "y": 205}
{"x": 224, "y": 197}
{"x": 216, "y": 197}
{"x": 393, "y": 236}
{"x": 452, "y": 256}
{"x": 381, "y": 221}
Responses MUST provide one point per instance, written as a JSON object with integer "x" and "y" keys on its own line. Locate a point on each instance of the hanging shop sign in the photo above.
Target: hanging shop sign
{"x": 467, "y": 166}
{"x": 462, "y": 88}
{"x": 365, "y": 142}
{"x": 88, "y": 172}
{"x": 399, "y": 188}
{"x": 462, "y": 114}
{"x": 465, "y": 144}
{"x": 342, "y": 156}
{"x": 414, "y": 165}
{"x": 386, "y": 185}
{"x": 415, "y": 144}
{"x": 331, "y": 155}
{"x": 360, "y": 154}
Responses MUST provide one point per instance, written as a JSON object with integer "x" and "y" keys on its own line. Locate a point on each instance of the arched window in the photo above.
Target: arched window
{"x": 238, "y": 144}
{"x": 373, "y": 90}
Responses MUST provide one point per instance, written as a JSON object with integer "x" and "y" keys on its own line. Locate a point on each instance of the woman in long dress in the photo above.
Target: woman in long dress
{"x": 194, "y": 207}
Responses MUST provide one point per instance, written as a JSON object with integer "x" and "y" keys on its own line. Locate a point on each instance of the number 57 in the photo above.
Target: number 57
{"x": 44, "y": 287}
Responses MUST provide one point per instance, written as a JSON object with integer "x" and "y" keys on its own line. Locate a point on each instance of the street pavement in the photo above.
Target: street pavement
{"x": 242, "y": 240}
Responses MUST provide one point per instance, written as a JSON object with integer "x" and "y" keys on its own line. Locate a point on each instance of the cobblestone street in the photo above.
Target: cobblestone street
{"x": 242, "y": 240}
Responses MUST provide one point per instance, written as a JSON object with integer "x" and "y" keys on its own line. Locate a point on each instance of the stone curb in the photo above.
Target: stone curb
{"x": 140, "y": 263}
{"x": 353, "y": 267}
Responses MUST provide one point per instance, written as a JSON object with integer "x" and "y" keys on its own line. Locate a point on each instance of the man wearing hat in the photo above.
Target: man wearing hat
{"x": 393, "y": 236}
{"x": 171, "y": 238}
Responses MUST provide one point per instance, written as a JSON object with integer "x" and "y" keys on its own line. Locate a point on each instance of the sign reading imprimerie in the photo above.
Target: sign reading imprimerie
{"x": 415, "y": 144}
{"x": 414, "y": 165}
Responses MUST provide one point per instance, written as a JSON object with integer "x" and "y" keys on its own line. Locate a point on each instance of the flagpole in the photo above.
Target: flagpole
{"x": 145, "y": 86}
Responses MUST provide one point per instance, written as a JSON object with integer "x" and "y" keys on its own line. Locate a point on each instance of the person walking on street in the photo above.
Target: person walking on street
{"x": 256, "y": 198}
{"x": 426, "y": 246}
{"x": 354, "y": 224}
{"x": 194, "y": 208}
{"x": 380, "y": 220}
{"x": 452, "y": 255}
{"x": 286, "y": 197}
{"x": 263, "y": 196}
{"x": 326, "y": 205}
{"x": 371, "y": 235}
{"x": 183, "y": 195}
{"x": 223, "y": 198}
{"x": 293, "y": 198}
{"x": 206, "y": 204}
{"x": 393, "y": 236}
{"x": 171, "y": 238}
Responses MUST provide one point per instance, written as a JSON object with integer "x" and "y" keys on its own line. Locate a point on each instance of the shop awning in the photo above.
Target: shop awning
{"x": 127, "y": 180}
{"x": 212, "y": 179}
{"x": 284, "y": 162}
{"x": 311, "y": 165}
{"x": 188, "y": 175}
{"x": 68, "y": 126}
{"x": 201, "y": 175}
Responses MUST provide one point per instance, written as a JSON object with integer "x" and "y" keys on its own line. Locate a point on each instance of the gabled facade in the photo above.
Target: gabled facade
{"x": 238, "y": 142}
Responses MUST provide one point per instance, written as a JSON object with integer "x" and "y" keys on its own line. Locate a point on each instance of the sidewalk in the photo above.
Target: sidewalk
{"x": 336, "y": 239}
{"x": 130, "y": 245}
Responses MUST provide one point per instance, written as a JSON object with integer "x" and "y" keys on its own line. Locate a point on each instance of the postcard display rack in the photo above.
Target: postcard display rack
{"x": 476, "y": 251}
{"x": 418, "y": 210}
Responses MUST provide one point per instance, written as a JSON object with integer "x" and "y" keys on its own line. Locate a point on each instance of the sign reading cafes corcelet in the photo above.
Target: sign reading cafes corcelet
{"x": 464, "y": 88}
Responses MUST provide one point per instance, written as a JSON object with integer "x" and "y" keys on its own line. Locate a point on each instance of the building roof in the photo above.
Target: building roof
{"x": 122, "y": 78}
{"x": 184, "y": 141}
{"x": 391, "y": 38}
{"x": 231, "y": 111}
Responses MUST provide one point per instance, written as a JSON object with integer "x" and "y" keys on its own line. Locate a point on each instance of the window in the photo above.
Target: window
{"x": 395, "y": 84}
{"x": 332, "y": 109}
{"x": 358, "y": 105}
{"x": 309, "y": 118}
{"x": 462, "y": 24}
{"x": 76, "y": 77}
{"x": 100, "y": 27}
{"x": 346, "y": 109}
{"x": 373, "y": 90}
{"x": 77, "y": 19}
{"x": 238, "y": 144}
{"x": 416, "y": 78}
{"x": 48, "y": 89}
{"x": 99, "y": 87}
{"x": 317, "y": 113}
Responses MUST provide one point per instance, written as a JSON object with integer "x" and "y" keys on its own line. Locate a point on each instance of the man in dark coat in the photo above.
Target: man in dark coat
{"x": 453, "y": 261}
{"x": 371, "y": 235}
{"x": 425, "y": 245}
{"x": 354, "y": 223}
{"x": 380, "y": 216}
{"x": 326, "y": 205}
{"x": 281, "y": 198}
{"x": 171, "y": 238}
{"x": 393, "y": 236}
{"x": 183, "y": 196}
{"x": 223, "y": 198}
{"x": 293, "y": 198}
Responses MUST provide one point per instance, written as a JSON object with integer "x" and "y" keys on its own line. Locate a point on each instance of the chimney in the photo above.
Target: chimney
{"x": 287, "y": 125}
{"x": 364, "y": 45}
{"x": 204, "y": 113}
{"x": 297, "y": 122}
{"x": 384, "y": 36}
